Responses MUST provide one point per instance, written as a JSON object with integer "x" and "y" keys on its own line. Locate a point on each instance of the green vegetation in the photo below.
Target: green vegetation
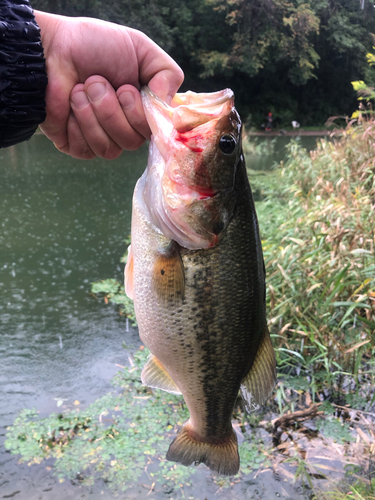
{"x": 122, "y": 438}
{"x": 321, "y": 268}
{"x": 365, "y": 93}
{"x": 117, "y": 437}
{"x": 356, "y": 491}
{"x": 113, "y": 292}
{"x": 255, "y": 146}
{"x": 295, "y": 58}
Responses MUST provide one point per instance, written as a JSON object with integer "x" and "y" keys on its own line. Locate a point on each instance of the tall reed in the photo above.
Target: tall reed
{"x": 320, "y": 263}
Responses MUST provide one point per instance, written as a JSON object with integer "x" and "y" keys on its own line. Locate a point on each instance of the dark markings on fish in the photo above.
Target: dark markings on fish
{"x": 210, "y": 332}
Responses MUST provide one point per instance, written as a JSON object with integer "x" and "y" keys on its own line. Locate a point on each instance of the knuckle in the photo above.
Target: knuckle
{"x": 106, "y": 115}
{"x": 134, "y": 144}
{"x": 110, "y": 151}
{"x": 81, "y": 151}
{"x": 179, "y": 75}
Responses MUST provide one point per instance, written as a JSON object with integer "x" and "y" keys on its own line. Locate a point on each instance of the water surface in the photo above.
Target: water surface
{"x": 63, "y": 225}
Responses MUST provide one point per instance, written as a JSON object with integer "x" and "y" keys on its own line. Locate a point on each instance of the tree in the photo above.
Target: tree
{"x": 295, "y": 58}
{"x": 263, "y": 33}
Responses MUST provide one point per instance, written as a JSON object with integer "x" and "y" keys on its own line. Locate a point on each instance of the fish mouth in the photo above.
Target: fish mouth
{"x": 187, "y": 110}
{"x": 188, "y": 119}
{"x": 185, "y": 202}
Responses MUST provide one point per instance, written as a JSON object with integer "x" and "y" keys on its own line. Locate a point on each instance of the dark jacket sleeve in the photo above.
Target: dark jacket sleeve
{"x": 23, "y": 78}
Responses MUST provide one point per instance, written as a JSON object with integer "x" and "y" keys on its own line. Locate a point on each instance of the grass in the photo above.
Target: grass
{"x": 317, "y": 220}
{"x": 320, "y": 263}
{"x": 355, "y": 491}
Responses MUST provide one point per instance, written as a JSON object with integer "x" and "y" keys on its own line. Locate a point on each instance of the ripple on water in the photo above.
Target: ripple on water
{"x": 63, "y": 223}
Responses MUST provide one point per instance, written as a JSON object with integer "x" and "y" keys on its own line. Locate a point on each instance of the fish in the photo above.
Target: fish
{"x": 196, "y": 274}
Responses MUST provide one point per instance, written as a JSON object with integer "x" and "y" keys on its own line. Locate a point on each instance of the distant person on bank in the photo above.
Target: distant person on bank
{"x": 269, "y": 122}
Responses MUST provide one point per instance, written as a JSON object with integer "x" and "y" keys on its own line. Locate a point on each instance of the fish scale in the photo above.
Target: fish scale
{"x": 201, "y": 312}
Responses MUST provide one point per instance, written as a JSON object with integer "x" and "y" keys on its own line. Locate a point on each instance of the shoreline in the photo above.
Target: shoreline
{"x": 291, "y": 133}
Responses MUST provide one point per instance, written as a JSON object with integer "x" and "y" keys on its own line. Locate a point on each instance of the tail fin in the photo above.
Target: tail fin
{"x": 221, "y": 457}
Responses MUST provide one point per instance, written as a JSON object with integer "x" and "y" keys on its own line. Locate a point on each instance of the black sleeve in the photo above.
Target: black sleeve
{"x": 23, "y": 77}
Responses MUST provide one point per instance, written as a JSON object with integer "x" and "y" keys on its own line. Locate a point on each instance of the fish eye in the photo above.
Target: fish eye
{"x": 227, "y": 144}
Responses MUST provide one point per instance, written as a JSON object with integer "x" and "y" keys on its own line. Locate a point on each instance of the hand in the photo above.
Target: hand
{"x": 87, "y": 60}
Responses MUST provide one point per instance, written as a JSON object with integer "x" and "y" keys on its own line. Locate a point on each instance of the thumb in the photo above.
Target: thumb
{"x": 166, "y": 83}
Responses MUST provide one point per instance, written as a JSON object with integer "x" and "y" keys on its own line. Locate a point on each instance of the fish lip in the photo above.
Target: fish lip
{"x": 188, "y": 111}
{"x": 147, "y": 95}
{"x": 211, "y": 99}
{"x": 150, "y": 101}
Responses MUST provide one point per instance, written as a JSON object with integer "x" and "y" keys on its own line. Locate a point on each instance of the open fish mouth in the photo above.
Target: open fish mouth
{"x": 187, "y": 110}
{"x": 194, "y": 152}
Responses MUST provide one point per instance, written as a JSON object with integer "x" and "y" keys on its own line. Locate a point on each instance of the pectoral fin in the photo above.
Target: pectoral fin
{"x": 258, "y": 384}
{"x": 129, "y": 281}
{"x": 168, "y": 278}
{"x": 154, "y": 375}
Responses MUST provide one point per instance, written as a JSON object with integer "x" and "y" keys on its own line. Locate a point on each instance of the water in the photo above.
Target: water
{"x": 271, "y": 150}
{"x": 63, "y": 224}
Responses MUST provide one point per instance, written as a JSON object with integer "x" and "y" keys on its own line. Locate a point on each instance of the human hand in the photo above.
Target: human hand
{"x": 87, "y": 59}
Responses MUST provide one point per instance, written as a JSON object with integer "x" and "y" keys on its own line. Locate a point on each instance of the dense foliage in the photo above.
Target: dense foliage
{"x": 293, "y": 57}
{"x": 318, "y": 226}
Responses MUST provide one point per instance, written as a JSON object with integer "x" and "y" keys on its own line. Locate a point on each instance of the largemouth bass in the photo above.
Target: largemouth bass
{"x": 196, "y": 274}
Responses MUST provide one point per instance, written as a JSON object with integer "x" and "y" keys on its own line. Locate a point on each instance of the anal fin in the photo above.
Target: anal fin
{"x": 258, "y": 384}
{"x": 154, "y": 375}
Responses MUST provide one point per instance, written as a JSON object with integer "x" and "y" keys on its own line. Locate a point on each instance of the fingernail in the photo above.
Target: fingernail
{"x": 79, "y": 99}
{"x": 126, "y": 100}
{"x": 96, "y": 91}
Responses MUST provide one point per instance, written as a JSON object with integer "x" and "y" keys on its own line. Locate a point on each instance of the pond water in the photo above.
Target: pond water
{"x": 264, "y": 152}
{"x": 63, "y": 225}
